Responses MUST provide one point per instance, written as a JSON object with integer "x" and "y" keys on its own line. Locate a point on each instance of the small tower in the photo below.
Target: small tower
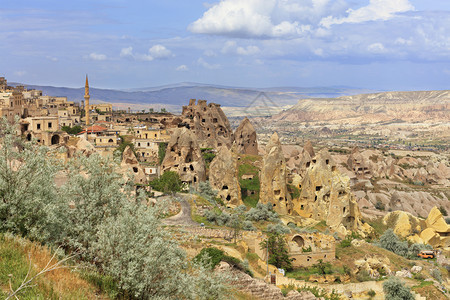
{"x": 86, "y": 100}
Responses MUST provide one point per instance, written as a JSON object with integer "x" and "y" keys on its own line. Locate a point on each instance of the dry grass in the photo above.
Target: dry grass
{"x": 58, "y": 284}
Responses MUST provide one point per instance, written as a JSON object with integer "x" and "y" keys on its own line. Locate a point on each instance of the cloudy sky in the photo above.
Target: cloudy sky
{"x": 377, "y": 44}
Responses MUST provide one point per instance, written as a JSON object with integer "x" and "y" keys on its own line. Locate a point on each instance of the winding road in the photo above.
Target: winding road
{"x": 183, "y": 218}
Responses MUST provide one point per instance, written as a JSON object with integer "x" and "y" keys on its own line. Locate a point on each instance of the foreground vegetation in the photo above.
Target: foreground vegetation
{"x": 98, "y": 217}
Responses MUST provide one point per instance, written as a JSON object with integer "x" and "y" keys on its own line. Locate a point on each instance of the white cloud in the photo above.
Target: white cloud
{"x": 403, "y": 42}
{"x": 155, "y": 52}
{"x": 252, "y": 18}
{"x": 159, "y": 51}
{"x": 231, "y": 47}
{"x": 376, "y": 48}
{"x": 126, "y": 52}
{"x": 376, "y": 10}
{"x": 97, "y": 56}
{"x": 207, "y": 65}
{"x": 52, "y": 58}
{"x": 182, "y": 68}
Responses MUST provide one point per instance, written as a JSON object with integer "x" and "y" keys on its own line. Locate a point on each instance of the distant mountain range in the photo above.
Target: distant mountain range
{"x": 416, "y": 106}
{"x": 174, "y": 96}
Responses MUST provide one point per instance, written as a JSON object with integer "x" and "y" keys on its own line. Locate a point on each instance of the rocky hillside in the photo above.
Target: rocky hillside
{"x": 372, "y": 108}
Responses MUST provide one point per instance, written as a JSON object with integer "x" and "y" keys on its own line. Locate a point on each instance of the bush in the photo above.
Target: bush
{"x": 363, "y": 275}
{"x": 447, "y": 220}
{"x": 436, "y": 273}
{"x": 262, "y": 212}
{"x": 323, "y": 267}
{"x": 162, "y": 147}
{"x": 390, "y": 241}
{"x": 248, "y": 226}
{"x": 168, "y": 182}
{"x": 443, "y": 211}
{"x": 205, "y": 190}
{"x": 72, "y": 130}
{"x": 371, "y": 293}
{"x": 394, "y": 289}
{"x": 278, "y": 228}
{"x": 379, "y": 205}
{"x": 209, "y": 257}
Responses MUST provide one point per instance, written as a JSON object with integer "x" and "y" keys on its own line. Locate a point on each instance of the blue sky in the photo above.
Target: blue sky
{"x": 377, "y": 44}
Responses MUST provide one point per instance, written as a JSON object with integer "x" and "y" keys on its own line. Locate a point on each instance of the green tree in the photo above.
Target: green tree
{"x": 72, "y": 130}
{"x": 278, "y": 252}
{"x": 162, "y": 147}
{"x": 168, "y": 182}
{"x": 323, "y": 267}
{"x": 394, "y": 289}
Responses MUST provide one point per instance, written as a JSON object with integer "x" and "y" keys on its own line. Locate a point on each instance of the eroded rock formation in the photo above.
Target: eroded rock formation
{"x": 209, "y": 124}
{"x": 325, "y": 195}
{"x": 183, "y": 156}
{"x": 245, "y": 138}
{"x": 223, "y": 177}
{"x": 130, "y": 164}
{"x": 273, "y": 178}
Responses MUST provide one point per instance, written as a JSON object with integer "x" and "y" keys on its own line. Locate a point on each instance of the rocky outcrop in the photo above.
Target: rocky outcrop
{"x": 273, "y": 178}
{"x": 325, "y": 195}
{"x": 309, "y": 148}
{"x": 183, "y": 155}
{"x": 403, "y": 223}
{"x": 223, "y": 177}
{"x": 358, "y": 163}
{"x": 208, "y": 123}
{"x": 433, "y": 231}
{"x": 373, "y": 265}
{"x": 130, "y": 163}
{"x": 245, "y": 138}
{"x": 84, "y": 146}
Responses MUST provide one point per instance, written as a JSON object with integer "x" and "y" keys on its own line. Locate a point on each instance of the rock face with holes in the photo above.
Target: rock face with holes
{"x": 183, "y": 156}
{"x": 223, "y": 176}
{"x": 130, "y": 165}
{"x": 273, "y": 178}
{"x": 325, "y": 195}
{"x": 245, "y": 138}
{"x": 209, "y": 123}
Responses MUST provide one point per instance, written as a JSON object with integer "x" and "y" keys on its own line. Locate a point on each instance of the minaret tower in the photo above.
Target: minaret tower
{"x": 86, "y": 100}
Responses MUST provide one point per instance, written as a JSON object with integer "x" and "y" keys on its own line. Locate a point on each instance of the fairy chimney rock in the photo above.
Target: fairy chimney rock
{"x": 245, "y": 138}
{"x": 273, "y": 178}
{"x": 183, "y": 155}
{"x": 223, "y": 177}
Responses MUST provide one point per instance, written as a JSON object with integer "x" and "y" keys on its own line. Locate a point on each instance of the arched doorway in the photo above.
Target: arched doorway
{"x": 29, "y": 137}
{"x": 299, "y": 240}
{"x": 55, "y": 140}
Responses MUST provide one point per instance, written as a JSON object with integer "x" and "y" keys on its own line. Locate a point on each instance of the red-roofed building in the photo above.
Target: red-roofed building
{"x": 94, "y": 129}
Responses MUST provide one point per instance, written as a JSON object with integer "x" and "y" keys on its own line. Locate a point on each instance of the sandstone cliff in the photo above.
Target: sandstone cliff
{"x": 183, "y": 156}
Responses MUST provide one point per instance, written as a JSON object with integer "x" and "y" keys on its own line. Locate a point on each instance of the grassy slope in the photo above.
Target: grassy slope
{"x": 57, "y": 284}
{"x": 247, "y": 167}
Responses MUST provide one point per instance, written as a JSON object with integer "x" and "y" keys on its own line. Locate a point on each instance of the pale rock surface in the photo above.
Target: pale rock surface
{"x": 403, "y": 223}
{"x": 416, "y": 269}
{"x": 373, "y": 265}
{"x": 223, "y": 177}
{"x": 245, "y": 138}
{"x": 85, "y": 147}
{"x": 325, "y": 195}
{"x": 273, "y": 178}
{"x": 183, "y": 155}
{"x": 209, "y": 124}
{"x": 131, "y": 165}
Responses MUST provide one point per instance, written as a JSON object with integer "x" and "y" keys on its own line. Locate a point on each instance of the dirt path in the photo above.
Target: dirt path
{"x": 183, "y": 218}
